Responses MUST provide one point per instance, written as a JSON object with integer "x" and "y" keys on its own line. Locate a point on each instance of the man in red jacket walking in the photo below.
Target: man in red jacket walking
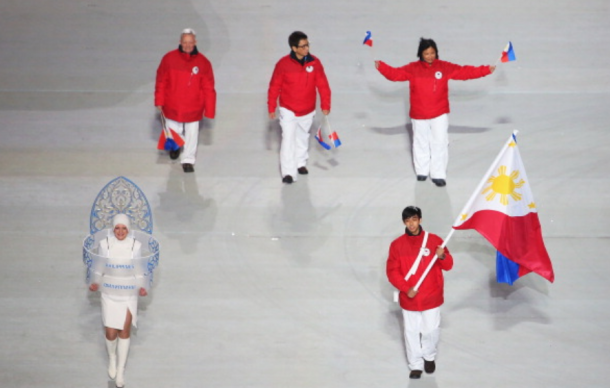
{"x": 429, "y": 96}
{"x": 408, "y": 258}
{"x": 184, "y": 93}
{"x": 295, "y": 80}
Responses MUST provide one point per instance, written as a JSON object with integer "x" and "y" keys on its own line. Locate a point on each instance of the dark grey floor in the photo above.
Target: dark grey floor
{"x": 265, "y": 285}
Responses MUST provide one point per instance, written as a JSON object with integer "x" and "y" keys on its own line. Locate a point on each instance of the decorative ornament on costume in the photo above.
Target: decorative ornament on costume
{"x": 438, "y": 75}
{"x": 121, "y": 199}
{"x": 195, "y": 70}
{"x": 309, "y": 69}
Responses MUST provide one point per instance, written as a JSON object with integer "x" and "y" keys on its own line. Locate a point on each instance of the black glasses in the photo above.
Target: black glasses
{"x": 302, "y": 46}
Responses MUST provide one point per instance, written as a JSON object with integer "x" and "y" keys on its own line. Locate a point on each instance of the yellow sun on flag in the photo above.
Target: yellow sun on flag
{"x": 504, "y": 185}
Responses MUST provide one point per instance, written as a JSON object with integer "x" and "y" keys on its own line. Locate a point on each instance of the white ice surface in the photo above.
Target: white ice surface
{"x": 267, "y": 285}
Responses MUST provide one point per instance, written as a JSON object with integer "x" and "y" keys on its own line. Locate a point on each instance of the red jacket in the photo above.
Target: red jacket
{"x": 403, "y": 253}
{"x": 429, "y": 84}
{"x": 185, "y": 87}
{"x": 296, "y": 85}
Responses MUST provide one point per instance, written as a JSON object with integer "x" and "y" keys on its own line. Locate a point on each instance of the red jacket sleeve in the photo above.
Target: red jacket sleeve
{"x": 161, "y": 83}
{"x": 447, "y": 263}
{"x": 463, "y": 73}
{"x": 209, "y": 92}
{"x": 323, "y": 88}
{"x": 275, "y": 88}
{"x": 394, "y": 73}
{"x": 394, "y": 273}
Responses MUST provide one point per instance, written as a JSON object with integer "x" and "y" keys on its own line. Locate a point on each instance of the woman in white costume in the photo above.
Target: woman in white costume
{"x": 119, "y": 312}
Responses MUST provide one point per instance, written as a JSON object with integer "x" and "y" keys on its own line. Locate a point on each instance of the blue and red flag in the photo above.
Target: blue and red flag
{"x": 368, "y": 40}
{"x": 169, "y": 140}
{"x": 508, "y": 54}
{"x": 335, "y": 139}
{"x": 503, "y": 210}
{"x": 319, "y": 139}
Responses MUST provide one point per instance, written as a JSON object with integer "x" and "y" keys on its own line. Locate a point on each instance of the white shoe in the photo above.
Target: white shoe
{"x": 111, "y": 347}
{"x": 120, "y": 378}
{"x": 122, "y": 351}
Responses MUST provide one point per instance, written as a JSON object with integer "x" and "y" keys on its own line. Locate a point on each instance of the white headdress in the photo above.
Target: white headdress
{"x": 122, "y": 219}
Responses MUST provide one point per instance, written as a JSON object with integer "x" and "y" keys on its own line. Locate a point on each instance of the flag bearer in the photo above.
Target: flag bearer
{"x": 408, "y": 258}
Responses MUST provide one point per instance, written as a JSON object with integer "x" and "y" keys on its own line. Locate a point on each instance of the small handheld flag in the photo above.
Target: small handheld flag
{"x": 319, "y": 139}
{"x": 508, "y": 54}
{"x": 169, "y": 140}
{"x": 335, "y": 139}
{"x": 368, "y": 39}
{"x": 333, "y": 135}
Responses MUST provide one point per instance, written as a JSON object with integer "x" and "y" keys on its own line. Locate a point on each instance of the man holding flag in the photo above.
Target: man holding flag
{"x": 295, "y": 80}
{"x": 184, "y": 93}
{"x": 409, "y": 256}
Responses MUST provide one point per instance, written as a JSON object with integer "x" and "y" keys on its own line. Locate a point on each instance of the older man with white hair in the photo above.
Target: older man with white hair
{"x": 184, "y": 93}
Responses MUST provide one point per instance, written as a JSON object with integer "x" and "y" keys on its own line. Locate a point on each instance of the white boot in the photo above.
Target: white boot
{"x": 122, "y": 351}
{"x": 111, "y": 347}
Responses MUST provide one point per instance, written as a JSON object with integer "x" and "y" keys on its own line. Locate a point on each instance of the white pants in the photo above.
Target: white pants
{"x": 295, "y": 141}
{"x": 190, "y": 133}
{"x": 422, "y": 333}
{"x": 431, "y": 146}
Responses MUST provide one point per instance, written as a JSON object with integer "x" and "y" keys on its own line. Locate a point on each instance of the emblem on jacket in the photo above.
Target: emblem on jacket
{"x": 309, "y": 69}
{"x": 195, "y": 70}
{"x": 426, "y": 252}
{"x": 438, "y": 75}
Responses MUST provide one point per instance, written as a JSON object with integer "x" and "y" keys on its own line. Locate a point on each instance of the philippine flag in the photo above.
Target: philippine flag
{"x": 368, "y": 39}
{"x": 508, "y": 54}
{"x": 169, "y": 140}
{"x": 503, "y": 210}
{"x": 319, "y": 139}
{"x": 335, "y": 139}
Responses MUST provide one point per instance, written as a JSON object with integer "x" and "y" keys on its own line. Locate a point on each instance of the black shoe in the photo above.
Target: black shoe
{"x": 173, "y": 155}
{"x": 187, "y": 167}
{"x": 421, "y": 178}
{"x": 439, "y": 182}
{"x": 429, "y": 366}
{"x": 303, "y": 170}
{"x": 287, "y": 179}
{"x": 415, "y": 374}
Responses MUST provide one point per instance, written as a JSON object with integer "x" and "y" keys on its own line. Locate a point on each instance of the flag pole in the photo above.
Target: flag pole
{"x": 168, "y": 134}
{"x": 467, "y": 206}
{"x": 330, "y": 130}
{"x": 423, "y": 276}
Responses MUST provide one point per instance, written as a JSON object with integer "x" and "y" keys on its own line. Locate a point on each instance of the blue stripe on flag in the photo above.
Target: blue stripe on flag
{"x": 507, "y": 271}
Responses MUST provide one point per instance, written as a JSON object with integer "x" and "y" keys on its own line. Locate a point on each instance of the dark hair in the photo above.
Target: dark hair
{"x": 425, "y": 44}
{"x": 411, "y": 211}
{"x": 295, "y": 38}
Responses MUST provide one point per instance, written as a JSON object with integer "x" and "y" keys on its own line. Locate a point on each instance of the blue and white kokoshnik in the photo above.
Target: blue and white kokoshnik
{"x": 121, "y": 276}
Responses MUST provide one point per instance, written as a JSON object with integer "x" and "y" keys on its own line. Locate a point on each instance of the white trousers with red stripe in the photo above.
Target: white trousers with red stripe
{"x": 190, "y": 133}
{"x": 431, "y": 146}
{"x": 295, "y": 141}
{"x": 422, "y": 333}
